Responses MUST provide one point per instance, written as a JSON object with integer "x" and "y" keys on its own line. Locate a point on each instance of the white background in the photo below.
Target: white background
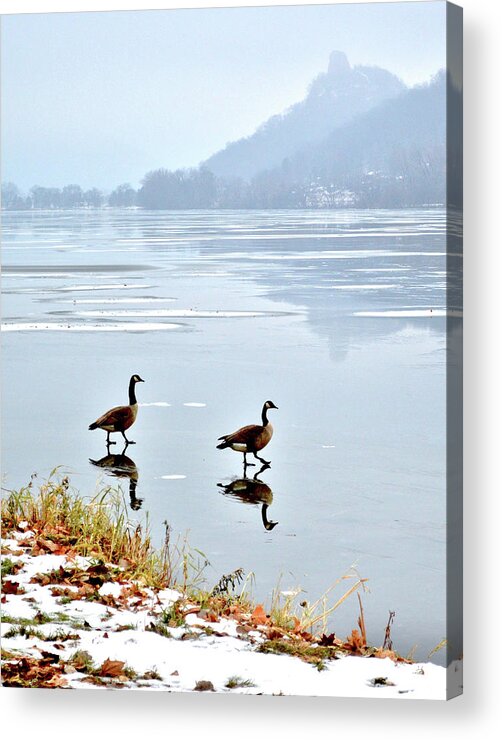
{"x": 65, "y": 714}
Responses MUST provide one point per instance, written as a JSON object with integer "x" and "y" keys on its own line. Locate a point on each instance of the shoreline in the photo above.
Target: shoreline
{"x": 73, "y": 620}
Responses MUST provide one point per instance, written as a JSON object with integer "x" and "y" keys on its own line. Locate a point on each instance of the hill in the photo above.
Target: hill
{"x": 334, "y": 98}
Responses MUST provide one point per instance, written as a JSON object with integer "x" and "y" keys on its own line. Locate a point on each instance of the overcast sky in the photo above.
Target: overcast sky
{"x": 101, "y": 98}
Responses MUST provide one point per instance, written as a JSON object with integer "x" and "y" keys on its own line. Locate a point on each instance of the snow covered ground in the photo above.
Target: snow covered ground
{"x": 76, "y": 635}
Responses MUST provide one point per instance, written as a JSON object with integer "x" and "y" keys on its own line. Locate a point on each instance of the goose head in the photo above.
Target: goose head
{"x": 270, "y": 405}
{"x": 136, "y": 379}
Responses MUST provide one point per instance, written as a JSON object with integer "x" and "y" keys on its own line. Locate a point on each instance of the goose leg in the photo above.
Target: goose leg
{"x": 264, "y": 462}
{"x": 108, "y": 441}
{"x": 128, "y": 441}
{"x": 246, "y": 464}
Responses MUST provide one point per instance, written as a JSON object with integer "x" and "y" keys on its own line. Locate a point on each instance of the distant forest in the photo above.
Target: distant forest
{"x": 390, "y": 154}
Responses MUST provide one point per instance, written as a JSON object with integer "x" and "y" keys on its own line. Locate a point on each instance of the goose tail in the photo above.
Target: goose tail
{"x": 93, "y": 426}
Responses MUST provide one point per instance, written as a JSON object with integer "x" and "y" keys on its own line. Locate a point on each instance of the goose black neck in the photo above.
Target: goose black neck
{"x": 132, "y": 392}
{"x": 264, "y": 415}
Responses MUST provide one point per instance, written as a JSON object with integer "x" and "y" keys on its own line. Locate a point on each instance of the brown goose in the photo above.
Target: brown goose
{"x": 251, "y": 438}
{"x": 120, "y": 418}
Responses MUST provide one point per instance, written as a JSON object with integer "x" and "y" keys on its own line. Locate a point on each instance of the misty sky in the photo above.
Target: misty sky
{"x": 101, "y": 98}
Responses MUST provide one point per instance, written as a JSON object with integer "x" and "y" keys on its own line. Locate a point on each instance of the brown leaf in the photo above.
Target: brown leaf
{"x": 26, "y": 542}
{"x": 47, "y": 545}
{"x": 203, "y": 686}
{"x": 30, "y": 672}
{"x": 48, "y": 658}
{"x": 12, "y": 587}
{"x": 384, "y": 653}
{"x": 329, "y": 640}
{"x": 258, "y": 616}
{"x": 242, "y": 629}
{"x": 42, "y": 578}
{"x": 112, "y": 668}
{"x": 96, "y": 680}
{"x": 355, "y": 642}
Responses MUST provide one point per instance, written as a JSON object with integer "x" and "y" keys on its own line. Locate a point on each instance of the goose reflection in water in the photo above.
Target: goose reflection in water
{"x": 252, "y": 491}
{"x": 122, "y": 466}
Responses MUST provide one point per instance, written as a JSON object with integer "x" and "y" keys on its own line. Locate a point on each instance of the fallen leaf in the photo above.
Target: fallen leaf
{"x": 48, "y": 658}
{"x": 203, "y": 686}
{"x": 112, "y": 668}
{"x": 12, "y": 587}
{"x": 273, "y": 633}
{"x": 355, "y": 642}
{"x": 329, "y": 640}
{"x": 47, "y": 545}
{"x": 258, "y": 616}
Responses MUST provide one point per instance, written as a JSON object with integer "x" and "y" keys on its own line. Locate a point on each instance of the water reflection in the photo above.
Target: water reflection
{"x": 252, "y": 491}
{"x": 122, "y": 466}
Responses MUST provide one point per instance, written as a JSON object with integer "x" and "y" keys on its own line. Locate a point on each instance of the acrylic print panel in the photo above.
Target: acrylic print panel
{"x": 232, "y": 327}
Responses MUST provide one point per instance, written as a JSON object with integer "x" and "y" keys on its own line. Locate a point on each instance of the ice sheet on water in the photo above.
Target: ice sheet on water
{"x": 119, "y": 300}
{"x": 108, "y": 286}
{"x": 364, "y": 287}
{"x": 123, "y": 326}
{"x": 155, "y": 403}
{"x": 182, "y": 313}
{"x": 409, "y": 313}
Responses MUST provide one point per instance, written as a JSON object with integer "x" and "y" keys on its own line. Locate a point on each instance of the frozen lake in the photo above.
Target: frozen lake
{"x": 338, "y": 317}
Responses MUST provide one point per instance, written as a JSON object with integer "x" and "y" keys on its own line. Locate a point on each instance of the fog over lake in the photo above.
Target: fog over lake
{"x": 338, "y": 317}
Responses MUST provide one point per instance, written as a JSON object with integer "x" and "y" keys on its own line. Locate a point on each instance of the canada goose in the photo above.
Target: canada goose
{"x": 120, "y": 418}
{"x": 251, "y": 438}
{"x": 122, "y": 466}
{"x": 252, "y": 491}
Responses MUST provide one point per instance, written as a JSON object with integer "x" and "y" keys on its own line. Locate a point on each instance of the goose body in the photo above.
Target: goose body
{"x": 251, "y": 438}
{"x": 120, "y": 418}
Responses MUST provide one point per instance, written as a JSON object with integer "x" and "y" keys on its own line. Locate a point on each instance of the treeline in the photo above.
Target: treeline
{"x": 160, "y": 189}
{"x": 416, "y": 179}
{"x": 70, "y": 196}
